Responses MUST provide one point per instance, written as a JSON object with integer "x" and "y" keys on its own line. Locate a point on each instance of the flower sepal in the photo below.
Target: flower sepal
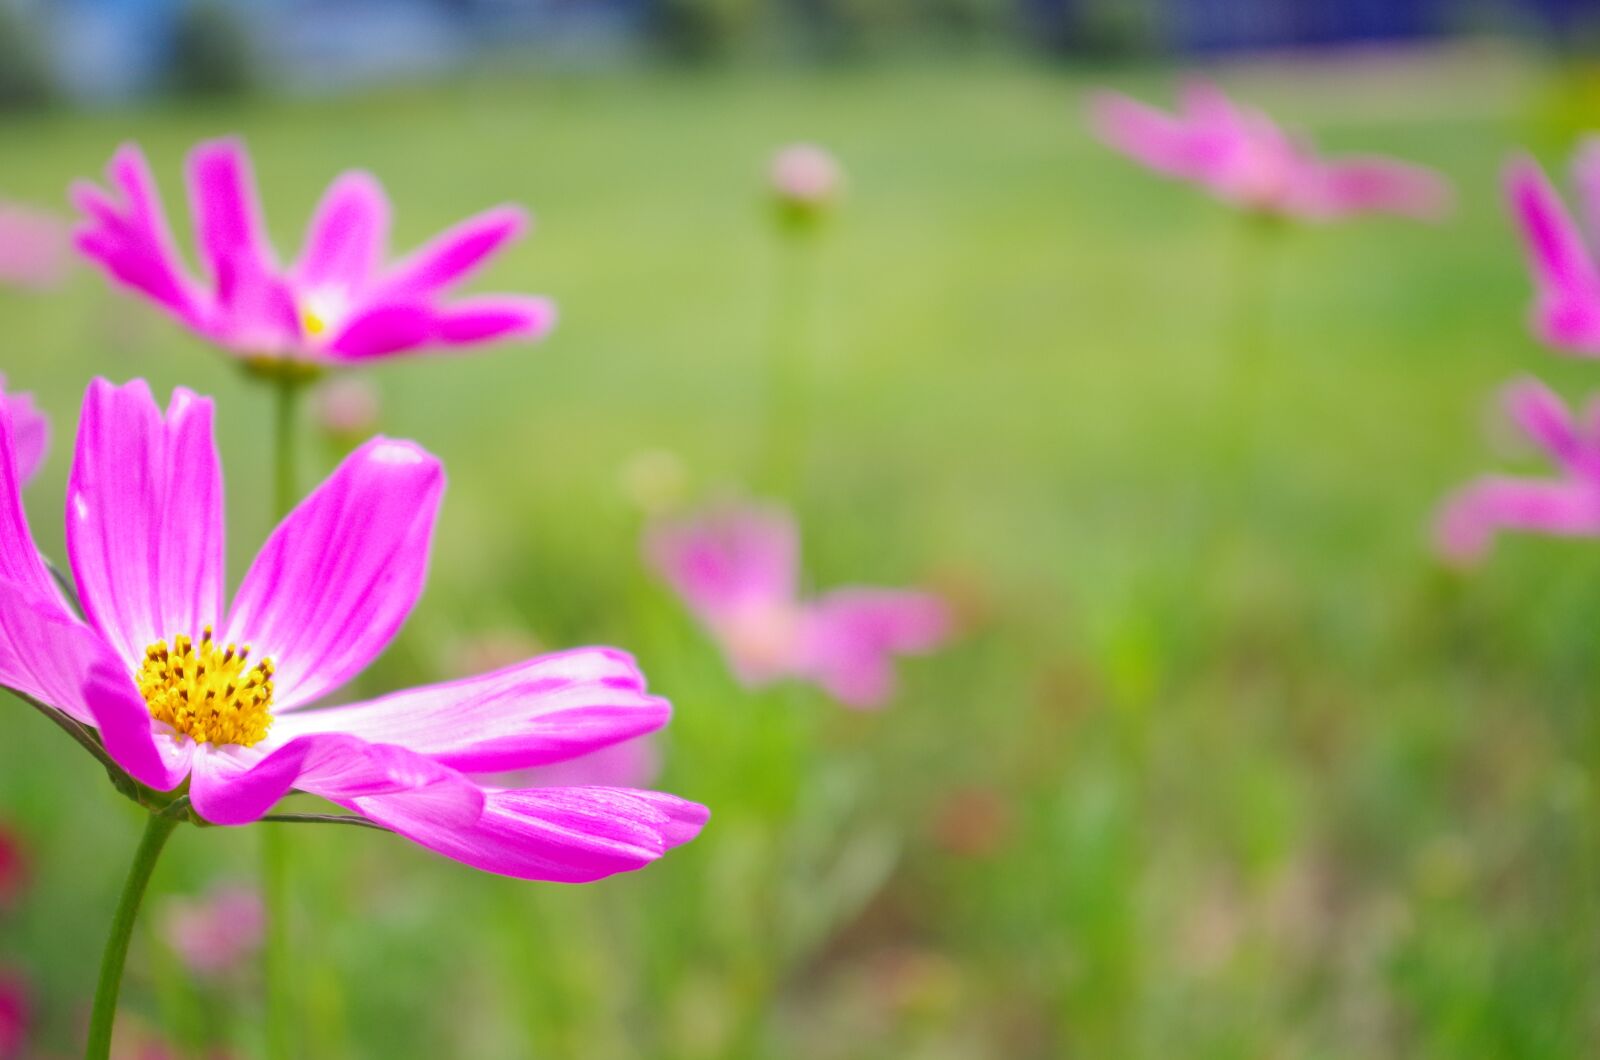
{"x": 277, "y": 369}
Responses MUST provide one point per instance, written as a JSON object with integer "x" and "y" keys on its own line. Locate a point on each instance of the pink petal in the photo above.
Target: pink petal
{"x": 1376, "y": 185}
{"x": 348, "y": 234}
{"x": 20, "y": 562}
{"x": 16, "y": 1015}
{"x": 565, "y": 835}
{"x": 454, "y": 255}
{"x": 334, "y": 582}
{"x": 544, "y": 710}
{"x": 1153, "y": 138}
{"x": 1568, "y": 310}
{"x": 472, "y": 320}
{"x": 1470, "y": 519}
{"x": 853, "y": 635}
{"x": 144, "y": 516}
{"x": 134, "y": 244}
{"x": 728, "y": 560}
{"x": 1544, "y": 418}
{"x": 30, "y": 432}
{"x": 47, "y": 653}
{"x": 256, "y": 309}
{"x": 119, "y": 712}
{"x": 233, "y": 786}
{"x": 379, "y": 330}
{"x": 634, "y": 763}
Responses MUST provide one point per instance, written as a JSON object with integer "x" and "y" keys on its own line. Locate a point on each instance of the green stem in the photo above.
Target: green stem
{"x": 789, "y": 370}
{"x": 281, "y": 1015}
{"x": 156, "y": 831}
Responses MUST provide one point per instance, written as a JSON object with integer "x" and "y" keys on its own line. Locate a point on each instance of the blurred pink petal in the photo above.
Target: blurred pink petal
{"x": 346, "y": 407}
{"x": 1567, "y": 507}
{"x": 1242, "y": 157}
{"x": 737, "y": 570}
{"x": 31, "y": 430}
{"x": 337, "y": 303}
{"x": 33, "y": 247}
{"x": 1566, "y": 311}
{"x": 326, "y": 593}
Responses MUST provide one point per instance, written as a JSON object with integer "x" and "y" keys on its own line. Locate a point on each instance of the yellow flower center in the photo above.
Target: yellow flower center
{"x": 313, "y": 323}
{"x": 209, "y": 694}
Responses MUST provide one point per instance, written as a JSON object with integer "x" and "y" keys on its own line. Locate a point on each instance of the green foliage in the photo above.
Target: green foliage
{"x": 25, "y": 80}
{"x": 212, "y": 55}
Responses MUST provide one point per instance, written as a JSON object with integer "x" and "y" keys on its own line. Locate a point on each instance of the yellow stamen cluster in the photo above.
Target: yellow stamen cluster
{"x": 313, "y": 323}
{"x": 207, "y": 693}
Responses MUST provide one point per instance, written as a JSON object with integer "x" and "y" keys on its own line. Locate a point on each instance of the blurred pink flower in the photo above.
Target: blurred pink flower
{"x": 16, "y": 1014}
{"x": 337, "y": 304}
{"x": 326, "y": 594}
{"x": 33, "y": 247}
{"x": 215, "y": 933}
{"x": 805, "y": 174}
{"x": 13, "y": 870}
{"x": 1242, "y": 157}
{"x": 1561, "y": 256}
{"x": 738, "y": 571}
{"x": 346, "y": 408}
{"x": 1568, "y": 505}
{"x": 30, "y": 432}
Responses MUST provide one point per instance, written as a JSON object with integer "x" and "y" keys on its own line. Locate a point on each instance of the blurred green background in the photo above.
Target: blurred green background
{"x": 1224, "y": 764}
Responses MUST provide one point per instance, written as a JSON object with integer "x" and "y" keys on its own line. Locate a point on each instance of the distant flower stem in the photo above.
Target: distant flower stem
{"x": 1249, "y": 356}
{"x": 156, "y": 831}
{"x": 789, "y": 369}
{"x": 281, "y": 1017}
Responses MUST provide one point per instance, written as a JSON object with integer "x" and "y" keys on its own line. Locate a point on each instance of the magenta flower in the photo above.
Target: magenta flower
{"x": 337, "y": 304}
{"x": 1566, "y": 312}
{"x": 215, "y": 933}
{"x": 738, "y": 571}
{"x": 1567, "y": 506}
{"x": 1242, "y": 157}
{"x": 30, "y": 431}
{"x": 33, "y": 247}
{"x": 181, "y": 688}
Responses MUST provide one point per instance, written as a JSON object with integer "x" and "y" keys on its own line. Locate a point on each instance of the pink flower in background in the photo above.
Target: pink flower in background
{"x": 30, "y": 429}
{"x": 215, "y": 933}
{"x": 16, "y": 1014}
{"x": 338, "y": 303}
{"x": 1242, "y": 157}
{"x": 13, "y": 870}
{"x": 738, "y": 571}
{"x": 33, "y": 247}
{"x": 1560, "y": 253}
{"x": 806, "y": 174}
{"x": 1568, "y": 505}
{"x": 180, "y": 687}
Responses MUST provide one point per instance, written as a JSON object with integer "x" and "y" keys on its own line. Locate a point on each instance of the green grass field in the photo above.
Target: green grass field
{"x": 1224, "y": 765}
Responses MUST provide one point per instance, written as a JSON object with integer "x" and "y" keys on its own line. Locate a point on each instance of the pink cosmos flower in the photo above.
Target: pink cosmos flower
{"x": 215, "y": 933}
{"x": 738, "y": 571}
{"x": 1242, "y": 157}
{"x": 337, "y": 304}
{"x": 1568, "y": 505}
{"x": 33, "y": 247}
{"x": 30, "y": 429}
{"x": 1566, "y": 311}
{"x": 181, "y": 688}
